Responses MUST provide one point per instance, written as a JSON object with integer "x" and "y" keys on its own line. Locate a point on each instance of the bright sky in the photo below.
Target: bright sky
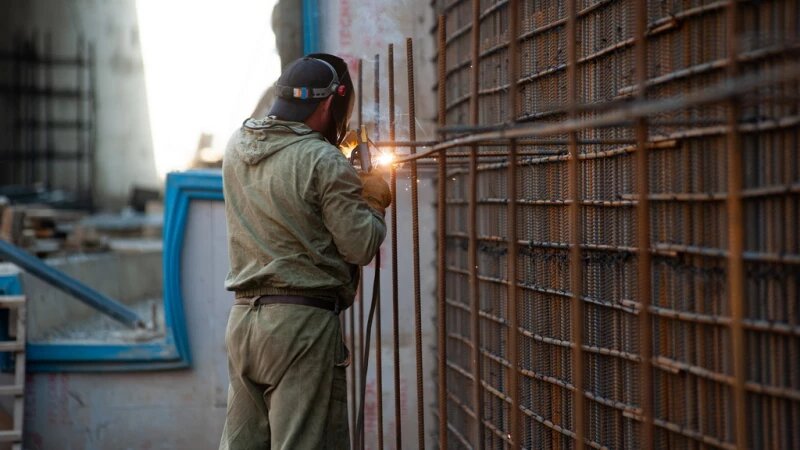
{"x": 207, "y": 63}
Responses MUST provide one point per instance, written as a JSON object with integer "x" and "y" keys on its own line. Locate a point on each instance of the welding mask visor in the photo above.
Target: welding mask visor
{"x": 343, "y": 99}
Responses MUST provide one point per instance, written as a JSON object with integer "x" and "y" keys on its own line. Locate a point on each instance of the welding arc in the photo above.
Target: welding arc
{"x": 376, "y": 294}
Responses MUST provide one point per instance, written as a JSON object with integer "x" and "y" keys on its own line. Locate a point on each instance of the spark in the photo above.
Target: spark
{"x": 385, "y": 159}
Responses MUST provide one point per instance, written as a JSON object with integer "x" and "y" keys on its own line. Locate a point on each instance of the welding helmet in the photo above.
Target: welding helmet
{"x": 310, "y": 80}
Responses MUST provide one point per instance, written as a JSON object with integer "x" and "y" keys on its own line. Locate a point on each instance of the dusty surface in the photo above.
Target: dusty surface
{"x": 99, "y": 328}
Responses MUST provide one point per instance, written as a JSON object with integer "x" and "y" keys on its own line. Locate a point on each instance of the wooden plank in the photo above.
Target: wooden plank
{"x": 10, "y": 435}
{"x": 12, "y": 222}
{"x": 12, "y": 389}
{"x": 11, "y": 301}
{"x": 11, "y": 346}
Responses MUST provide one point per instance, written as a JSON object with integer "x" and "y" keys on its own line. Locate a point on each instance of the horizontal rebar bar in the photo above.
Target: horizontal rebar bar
{"x": 633, "y": 110}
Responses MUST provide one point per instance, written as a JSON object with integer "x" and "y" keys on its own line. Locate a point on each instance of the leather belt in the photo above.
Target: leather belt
{"x": 289, "y": 300}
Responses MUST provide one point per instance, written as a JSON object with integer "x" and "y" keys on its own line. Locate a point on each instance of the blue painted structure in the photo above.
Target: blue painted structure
{"x": 72, "y": 286}
{"x": 174, "y": 351}
{"x": 310, "y": 26}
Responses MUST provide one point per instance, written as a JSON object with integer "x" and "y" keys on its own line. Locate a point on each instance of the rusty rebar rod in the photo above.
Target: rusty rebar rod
{"x": 395, "y": 297}
{"x": 441, "y": 243}
{"x": 472, "y": 227}
{"x": 378, "y": 340}
{"x": 504, "y": 142}
{"x": 515, "y": 427}
{"x": 735, "y": 219}
{"x": 360, "y": 351}
{"x": 353, "y": 370}
{"x": 643, "y": 229}
{"x": 412, "y": 135}
{"x": 635, "y": 109}
{"x": 575, "y": 235}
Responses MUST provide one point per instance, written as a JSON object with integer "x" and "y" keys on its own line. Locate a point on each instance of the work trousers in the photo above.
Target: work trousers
{"x": 287, "y": 379}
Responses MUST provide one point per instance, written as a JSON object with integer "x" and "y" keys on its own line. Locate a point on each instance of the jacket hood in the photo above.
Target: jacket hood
{"x": 259, "y": 139}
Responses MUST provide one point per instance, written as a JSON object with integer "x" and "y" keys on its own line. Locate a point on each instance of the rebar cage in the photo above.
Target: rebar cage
{"x": 619, "y": 200}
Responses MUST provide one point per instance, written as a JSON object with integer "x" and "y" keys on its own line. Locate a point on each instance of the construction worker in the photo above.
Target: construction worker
{"x": 301, "y": 221}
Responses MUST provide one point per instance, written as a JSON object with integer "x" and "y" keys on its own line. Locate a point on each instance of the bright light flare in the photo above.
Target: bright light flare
{"x": 385, "y": 159}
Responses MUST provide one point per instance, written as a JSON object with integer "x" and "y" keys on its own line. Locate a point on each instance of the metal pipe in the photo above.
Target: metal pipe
{"x": 395, "y": 313}
{"x": 412, "y": 135}
{"x": 441, "y": 246}
{"x": 71, "y": 286}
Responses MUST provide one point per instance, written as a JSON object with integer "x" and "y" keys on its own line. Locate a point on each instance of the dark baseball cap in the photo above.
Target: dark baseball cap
{"x": 305, "y": 82}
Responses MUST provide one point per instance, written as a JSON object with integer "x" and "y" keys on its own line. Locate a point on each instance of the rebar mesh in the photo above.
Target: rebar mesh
{"x": 693, "y": 347}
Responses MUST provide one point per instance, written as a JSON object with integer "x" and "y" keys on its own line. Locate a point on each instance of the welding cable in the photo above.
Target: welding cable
{"x": 376, "y": 295}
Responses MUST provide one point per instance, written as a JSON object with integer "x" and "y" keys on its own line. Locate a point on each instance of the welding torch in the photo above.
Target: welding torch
{"x": 363, "y": 154}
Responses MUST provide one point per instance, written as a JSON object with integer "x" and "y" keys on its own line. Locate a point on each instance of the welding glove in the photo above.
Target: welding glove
{"x": 376, "y": 191}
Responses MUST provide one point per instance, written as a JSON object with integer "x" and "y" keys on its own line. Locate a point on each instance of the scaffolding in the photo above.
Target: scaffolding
{"x": 47, "y": 131}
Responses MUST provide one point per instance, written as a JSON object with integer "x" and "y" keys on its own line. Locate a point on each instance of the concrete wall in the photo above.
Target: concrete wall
{"x": 354, "y": 29}
{"x": 124, "y": 149}
{"x": 182, "y": 409}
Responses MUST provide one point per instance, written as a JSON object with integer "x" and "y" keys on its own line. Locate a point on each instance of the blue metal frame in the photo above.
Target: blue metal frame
{"x": 310, "y": 26}
{"x": 65, "y": 283}
{"x": 171, "y": 353}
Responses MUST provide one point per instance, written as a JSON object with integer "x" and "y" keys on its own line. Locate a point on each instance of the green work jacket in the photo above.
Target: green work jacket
{"x": 297, "y": 224}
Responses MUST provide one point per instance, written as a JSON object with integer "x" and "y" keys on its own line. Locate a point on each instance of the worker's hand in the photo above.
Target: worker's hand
{"x": 376, "y": 191}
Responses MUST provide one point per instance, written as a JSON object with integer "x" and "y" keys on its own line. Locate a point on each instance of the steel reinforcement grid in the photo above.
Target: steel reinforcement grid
{"x": 618, "y": 209}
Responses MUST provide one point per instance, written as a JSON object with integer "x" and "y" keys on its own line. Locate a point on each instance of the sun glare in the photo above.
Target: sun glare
{"x": 205, "y": 75}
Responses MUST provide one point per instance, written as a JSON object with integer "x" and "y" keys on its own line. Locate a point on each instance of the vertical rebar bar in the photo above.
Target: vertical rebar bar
{"x": 49, "y": 146}
{"x": 92, "y": 125}
{"x": 511, "y": 299}
{"x": 356, "y": 350}
{"x": 360, "y": 438}
{"x": 412, "y": 136}
{"x": 32, "y": 160}
{"x": 16, "y": 100}
{"x": 395, "y": 313}
{"x": 79, "y": 121}
{"x": 736, "y": 274}
{"x": 575, "y": 257}
{"x": 472, "y": 230}
{"x": 643, "y": 229}
{"x": 378, "y": 341}
{"x": 353, "y": 370}
{"x": 441, "y": 235}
